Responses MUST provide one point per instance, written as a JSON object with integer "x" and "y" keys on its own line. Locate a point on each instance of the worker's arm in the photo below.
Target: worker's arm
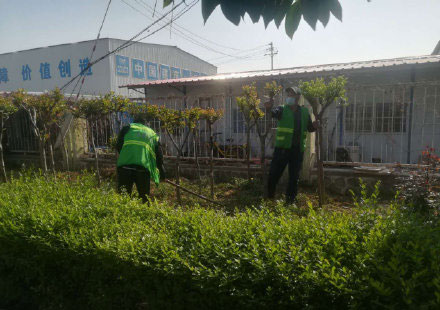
{"x": 120, "y": 141}
{"x": 312, "y": 126}
{"x": 159, "y": 160}
{"x": 277, "y": 112}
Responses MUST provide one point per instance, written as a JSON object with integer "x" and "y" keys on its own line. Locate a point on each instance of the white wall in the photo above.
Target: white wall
{"x": 96, "y": 83}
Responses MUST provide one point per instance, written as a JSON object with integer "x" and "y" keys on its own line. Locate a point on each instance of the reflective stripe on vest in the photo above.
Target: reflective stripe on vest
{"x": 144, "y": 144}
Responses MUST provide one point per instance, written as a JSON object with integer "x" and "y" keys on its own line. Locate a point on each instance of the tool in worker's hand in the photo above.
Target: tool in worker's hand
{"x": 192, "y": 193}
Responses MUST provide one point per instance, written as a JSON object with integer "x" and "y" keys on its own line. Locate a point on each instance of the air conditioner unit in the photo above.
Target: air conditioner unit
{"x": 355, "y": 153}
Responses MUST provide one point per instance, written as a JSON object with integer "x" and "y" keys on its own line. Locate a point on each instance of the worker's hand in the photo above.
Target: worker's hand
{"x": 268, "y": 105}
{"x": 316, "y": 124}
{"x": 162, "y": 176}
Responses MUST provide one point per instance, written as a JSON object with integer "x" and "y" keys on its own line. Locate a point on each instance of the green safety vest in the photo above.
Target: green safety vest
{"x": 286, "y": 125}
{"x": 139, "y": 149}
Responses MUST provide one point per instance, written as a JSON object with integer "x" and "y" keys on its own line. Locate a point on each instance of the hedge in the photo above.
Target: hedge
{"x": 70, "y": 245}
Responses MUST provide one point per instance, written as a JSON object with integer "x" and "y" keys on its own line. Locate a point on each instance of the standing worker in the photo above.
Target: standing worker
{"x": 293, "y": 124}
{"x": 140, "y": 158}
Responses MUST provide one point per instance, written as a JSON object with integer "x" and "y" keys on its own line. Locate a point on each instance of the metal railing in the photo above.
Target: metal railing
{"x": 379, "y": 124}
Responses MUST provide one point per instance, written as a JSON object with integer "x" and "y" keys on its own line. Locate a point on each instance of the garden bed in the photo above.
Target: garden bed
{"x": 68, "y": 244}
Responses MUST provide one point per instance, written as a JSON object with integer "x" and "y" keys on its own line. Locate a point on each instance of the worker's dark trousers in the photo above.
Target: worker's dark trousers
{"x": 127, "y": 175}
{"x": 282, "y": 158}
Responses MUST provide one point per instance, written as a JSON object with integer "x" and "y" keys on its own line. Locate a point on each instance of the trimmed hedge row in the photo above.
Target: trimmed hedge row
{"x": 70, "y": 245}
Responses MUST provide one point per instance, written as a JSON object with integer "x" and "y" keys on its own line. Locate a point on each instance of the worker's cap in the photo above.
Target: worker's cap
{"x": 293, "y": 89}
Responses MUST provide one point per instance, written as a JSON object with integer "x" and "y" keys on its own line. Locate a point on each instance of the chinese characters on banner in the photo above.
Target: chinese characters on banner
{"x": 138, "y": 68}
{"x": 122, "y": 65}
{"x": 152, "y": 73}
{"x": 186, "y": 73}
{"x": 175, "y": 73}
{"x": 4, "y": 75}
{"x": 164, "y": 72}
{"x": 63, "y": 69}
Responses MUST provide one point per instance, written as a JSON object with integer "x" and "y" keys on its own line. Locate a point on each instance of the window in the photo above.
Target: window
{"x": 359, "y": 118}
{"x": 390, "y": 118}
{"x": 239, "y": 125}
{"x": 386, "y": 117}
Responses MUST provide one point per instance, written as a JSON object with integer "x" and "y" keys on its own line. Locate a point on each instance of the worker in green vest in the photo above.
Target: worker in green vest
{"x": 140, "y": 158}
{"x": 293, "y": 124}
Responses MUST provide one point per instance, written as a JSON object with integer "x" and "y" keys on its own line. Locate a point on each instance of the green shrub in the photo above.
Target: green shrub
{"x": 69, "y": 245}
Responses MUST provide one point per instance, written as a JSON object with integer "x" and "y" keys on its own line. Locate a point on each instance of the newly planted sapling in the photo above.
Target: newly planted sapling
{"x": 211, "y": 116}
{"x": 45, "y": 112}
{"x": 249, "y": 106}
{"x": 176, "y": 122}
{"x": 321, "y": 94}
{"x": 93, "y": 110}
{"x": 7, "y": 108}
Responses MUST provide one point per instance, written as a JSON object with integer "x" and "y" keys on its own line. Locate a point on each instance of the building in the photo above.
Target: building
{"x": 41, "y": 69}
{"x": 392, "y": 112}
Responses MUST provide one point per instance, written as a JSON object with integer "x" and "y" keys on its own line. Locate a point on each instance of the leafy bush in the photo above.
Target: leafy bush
{"x": 68, "y": 245}
{"x": 420, "y": 188}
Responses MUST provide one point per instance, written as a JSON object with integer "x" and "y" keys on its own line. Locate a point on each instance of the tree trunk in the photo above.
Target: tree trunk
{"x": 43, "y": 162}
{"x": 263, "y": 163}
{"x": 211, "y": 161}
{"x": 199, "y": 177}
{"x": 52, "y": 159}
{"x": 66, "y": 154}
{"x": 248, "y": 153}
{"x": 320, "y": 166}
{"x": 98, "y": 175}
{"x": 179, "y": 198}
{"x": 2, "y": 162}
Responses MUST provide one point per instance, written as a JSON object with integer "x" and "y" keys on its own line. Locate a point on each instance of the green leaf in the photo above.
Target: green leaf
{"x": 336, "y": 9}
{"x": 293, "y": 18}
{"x": 281, "y": 12}
{"x": 324, "y": 13}
{"x": 208, "y": 6}
{"x": 255, "y": 10}
{"x": 167, "y": 3}
{"x": 310, "y": 11}
{"x": 233, "y": 11}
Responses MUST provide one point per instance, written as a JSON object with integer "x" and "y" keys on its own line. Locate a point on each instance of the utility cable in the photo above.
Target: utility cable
{"x": 131, "y": 40}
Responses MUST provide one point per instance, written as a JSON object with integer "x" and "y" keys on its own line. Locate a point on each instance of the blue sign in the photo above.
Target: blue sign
{"x": 138, "y": 68}
{"x": 193, "y": 73}
{"x": 186, "y": 73}
{"x": 175, "y": 73}
{"x": 64, "y": 68}
{"x": 164, "y": 72}
{"x": 152, "y": 73}
{"x": 26, "y": 72}
{"x": 122, "y": 65}
{"x": 84, "y": 66}
{"x": 4, "y": 75}
{"x": 45, "y": 71}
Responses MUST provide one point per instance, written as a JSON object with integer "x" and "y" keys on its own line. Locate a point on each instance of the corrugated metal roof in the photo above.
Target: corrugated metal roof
{"x": 297, "y": 70}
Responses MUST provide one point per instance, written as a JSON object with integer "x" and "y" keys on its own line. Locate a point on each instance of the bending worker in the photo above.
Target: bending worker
{"x": 140, "y": 158}
{"x": 293, "y": 124}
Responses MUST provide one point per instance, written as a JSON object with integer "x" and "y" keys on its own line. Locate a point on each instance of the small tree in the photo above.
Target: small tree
{"x": 7, "y": 108}
{"x": 44, "y": 112}
{"x": 173, "y": 121}
{"x": 321, "y": 95}
{"x": 92, "y": 110}
{"x": 211, "y": 116}
{"x": 263, "y": 130}
{"x": 249, "y": 105}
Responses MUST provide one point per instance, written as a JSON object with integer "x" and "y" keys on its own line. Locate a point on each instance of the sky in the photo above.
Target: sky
{"x": 370, "y": 30}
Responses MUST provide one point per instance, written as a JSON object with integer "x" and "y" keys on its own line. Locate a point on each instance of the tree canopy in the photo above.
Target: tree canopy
{"x": 274, "y": 10}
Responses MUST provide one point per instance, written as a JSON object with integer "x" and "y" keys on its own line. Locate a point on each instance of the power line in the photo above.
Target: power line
{"x": 150, "y": 9}
{"x": 185, "y": 36}
{"x": 272, "y": 52}
{"x": 131, "y": 40}
{"x": 94, "y": 46}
